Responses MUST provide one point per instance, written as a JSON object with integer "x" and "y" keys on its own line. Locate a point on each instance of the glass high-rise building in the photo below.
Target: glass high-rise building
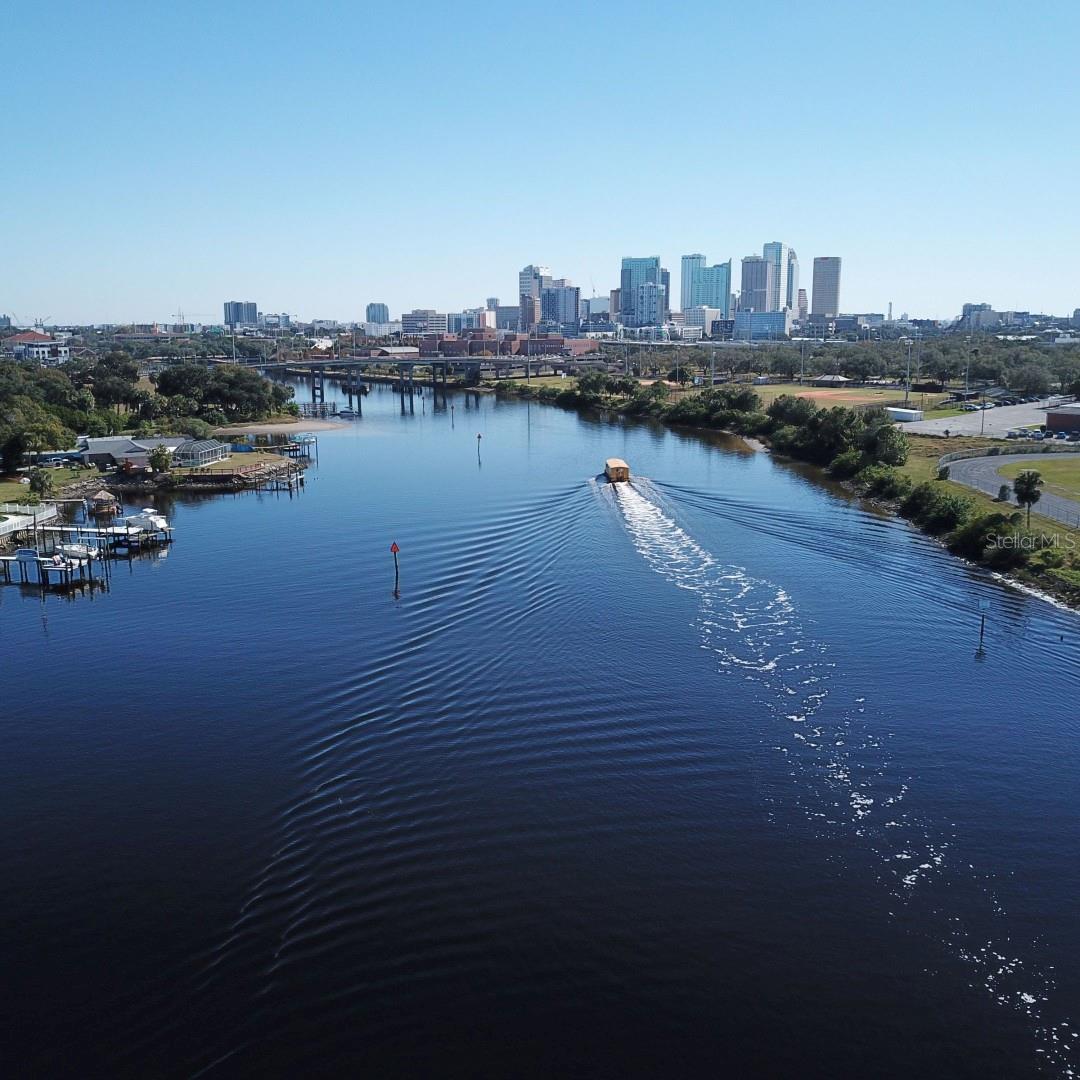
{"x": 706, "y": 286}
{"x": 241, "y": 313}
{"x": 758, "y": 284}
{"x": 379, "y": 313}
{"x": 777, "y": 254}
{"x": 792, "y": 280}
{"x": 826, "y": 296}
{"x": 690, "y": 267}
{"x": 635, "y": 273}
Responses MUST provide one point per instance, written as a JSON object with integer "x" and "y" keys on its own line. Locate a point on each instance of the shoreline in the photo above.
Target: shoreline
{"x": 281, "y": 427}
{"x": 1043, "y": 588}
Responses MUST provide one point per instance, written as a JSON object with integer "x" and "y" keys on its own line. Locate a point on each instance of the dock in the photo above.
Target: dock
{"x": 48, "y": 565}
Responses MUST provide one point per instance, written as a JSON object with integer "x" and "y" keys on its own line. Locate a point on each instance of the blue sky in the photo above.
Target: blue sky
{"x": 313, "y": 157}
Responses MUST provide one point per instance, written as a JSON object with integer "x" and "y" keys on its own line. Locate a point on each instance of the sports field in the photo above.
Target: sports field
{"x": 826, "y": 396}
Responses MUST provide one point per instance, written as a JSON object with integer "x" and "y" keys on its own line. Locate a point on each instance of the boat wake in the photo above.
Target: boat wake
{"x": 848, "y": 782}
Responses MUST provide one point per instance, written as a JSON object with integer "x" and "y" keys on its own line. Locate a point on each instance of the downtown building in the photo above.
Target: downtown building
{"x": 532, "y": 280}
{"x": 705, "y": 286}
{"x": 643, "y": 285}
{"x": 241, "y": 313}
{"x": 422, "y": 321}
{"x": 560, "y": 306}
{"x": 826, "y": 296}
{"x": 758, "y": 283}
{"x": 377, "y": 313}
{"x": 784, "y": 289}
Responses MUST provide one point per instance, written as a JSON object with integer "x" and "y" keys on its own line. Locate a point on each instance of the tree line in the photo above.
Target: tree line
{"x": 44, "y": 408}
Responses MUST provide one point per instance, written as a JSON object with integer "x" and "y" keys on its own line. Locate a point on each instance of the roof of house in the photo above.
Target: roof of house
{"x": 197, "y": 446}
{"x": 28, "y": 337}
{"x": 120, "y": 445}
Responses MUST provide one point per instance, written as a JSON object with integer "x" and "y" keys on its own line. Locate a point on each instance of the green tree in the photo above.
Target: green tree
{"x": 160, "y": 459}
{"x": 26, "y": 426}
{"x": 41, "y": 482}
{"x": 1031, "y": 379}
{"x": 1026, "y": 489}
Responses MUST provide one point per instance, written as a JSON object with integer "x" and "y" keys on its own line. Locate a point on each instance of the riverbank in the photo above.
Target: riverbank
{"x": 281, "y": 427}
{"x": 871, "y": 458}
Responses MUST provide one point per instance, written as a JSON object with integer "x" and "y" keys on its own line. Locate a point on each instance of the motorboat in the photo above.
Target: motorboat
{"x": 78, "y": 551}
{"x": 148, "y": 520}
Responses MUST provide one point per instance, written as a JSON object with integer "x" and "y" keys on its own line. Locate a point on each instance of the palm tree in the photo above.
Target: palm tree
{"x": 1026, "y": 489}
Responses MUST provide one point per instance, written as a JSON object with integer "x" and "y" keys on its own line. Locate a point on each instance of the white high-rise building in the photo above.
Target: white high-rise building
{"x": 792, "y": 280}
{"x": 777, "y": 254}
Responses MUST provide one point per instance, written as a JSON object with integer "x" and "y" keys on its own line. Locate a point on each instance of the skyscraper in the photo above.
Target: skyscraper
{"x": 559, "y": 304}
{"x": 826, "y": 298}
{"x": 379, "y": 313}
{"x": 532, "y": 280}
{"x": 691, "y": 265}
{"x": 708, "y": 286}
{"x": 758, "y": 283}
{"x": 650, "y": 304}
{"x": 241, "y": 313}
{"x": 636, "y": 272}
{"x": 803, "y": 307}
{"x": 792, "y": 280}
{"x": 777, "y": 254}
{"x": 665, "y": 280}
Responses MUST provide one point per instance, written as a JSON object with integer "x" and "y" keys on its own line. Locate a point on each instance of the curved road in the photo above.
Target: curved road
{"x": 981, "y": 473}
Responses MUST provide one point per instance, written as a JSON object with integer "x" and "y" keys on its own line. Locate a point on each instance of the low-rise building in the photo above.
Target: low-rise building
{"x": 1063, "y": 418}
{"x": 114, "y": 450}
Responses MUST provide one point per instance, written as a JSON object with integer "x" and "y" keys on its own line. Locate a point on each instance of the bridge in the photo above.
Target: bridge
{"x": 349, "y": 370}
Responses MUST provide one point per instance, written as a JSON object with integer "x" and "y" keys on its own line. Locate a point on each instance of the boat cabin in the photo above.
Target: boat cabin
{"x": 616, "y": 470}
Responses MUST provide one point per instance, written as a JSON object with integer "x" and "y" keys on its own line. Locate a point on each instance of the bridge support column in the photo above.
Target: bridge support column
{"x": 318, "y": 386}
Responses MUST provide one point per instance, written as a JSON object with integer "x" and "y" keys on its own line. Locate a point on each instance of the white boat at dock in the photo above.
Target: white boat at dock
{"x": 148, "y": 520}
{"x": 79, "y": 551}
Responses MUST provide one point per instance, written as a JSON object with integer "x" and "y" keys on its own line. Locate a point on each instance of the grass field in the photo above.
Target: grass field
{"x": 1061, "y": 476}
{"x": 231, "y": 464}
{"x": 922, "y": 464}
{"x": 12, "y": 491}
{"x": 826, "y": 397}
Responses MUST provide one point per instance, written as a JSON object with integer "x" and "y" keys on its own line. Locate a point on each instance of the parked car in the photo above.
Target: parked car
{"x": 1074, "y": 436}
{"x": 969, "y": 407}
{"x": 1038, "y": 436}
{"x": 1061, "y": 435}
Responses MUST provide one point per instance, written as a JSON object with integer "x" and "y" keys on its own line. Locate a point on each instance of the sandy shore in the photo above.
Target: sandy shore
{"x": 284, "y": 427}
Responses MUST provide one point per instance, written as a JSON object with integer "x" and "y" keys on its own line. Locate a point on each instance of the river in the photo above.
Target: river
{"x": 697, "y": 776}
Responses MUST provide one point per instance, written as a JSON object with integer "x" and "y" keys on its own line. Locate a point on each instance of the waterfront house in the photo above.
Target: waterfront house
{"x": 196, "y": 453}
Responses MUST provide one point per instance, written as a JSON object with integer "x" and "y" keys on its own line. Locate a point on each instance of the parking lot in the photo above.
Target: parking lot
{"x": 993, "y": 423}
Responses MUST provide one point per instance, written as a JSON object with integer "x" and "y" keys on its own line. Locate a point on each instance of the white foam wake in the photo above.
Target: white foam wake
{"x": 847, "y": 778}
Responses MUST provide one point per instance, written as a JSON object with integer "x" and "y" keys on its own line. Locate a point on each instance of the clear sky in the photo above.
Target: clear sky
{"x": 315, "y": 156}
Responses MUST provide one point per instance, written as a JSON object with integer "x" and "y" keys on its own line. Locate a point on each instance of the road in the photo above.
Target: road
{"x": 993, "y": 423}
{"x": 981, "y": 473}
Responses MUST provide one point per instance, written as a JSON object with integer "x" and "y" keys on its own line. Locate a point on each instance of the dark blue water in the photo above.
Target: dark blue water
{"x": 696, "y": 777}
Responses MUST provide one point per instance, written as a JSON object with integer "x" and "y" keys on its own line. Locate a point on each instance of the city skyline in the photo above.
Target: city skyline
{"x": 133, "y": 212}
